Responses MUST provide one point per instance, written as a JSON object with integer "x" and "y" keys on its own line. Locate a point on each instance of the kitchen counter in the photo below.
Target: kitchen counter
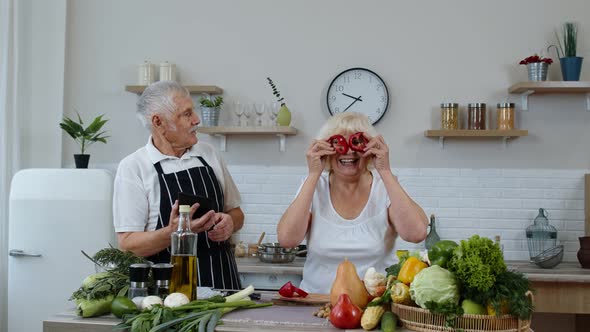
{"x": 562, "y": 289}
{"x": 275, "y": 318}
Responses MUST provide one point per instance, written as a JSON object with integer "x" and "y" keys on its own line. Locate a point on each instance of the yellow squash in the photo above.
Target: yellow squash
{"x": 348, "y": 282}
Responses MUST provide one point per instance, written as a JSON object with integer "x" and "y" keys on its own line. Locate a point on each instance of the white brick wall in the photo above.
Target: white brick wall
{"x": 487, "y": 202}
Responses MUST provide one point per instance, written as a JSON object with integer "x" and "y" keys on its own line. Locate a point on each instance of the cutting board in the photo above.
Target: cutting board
{"x": 310, "y": 299}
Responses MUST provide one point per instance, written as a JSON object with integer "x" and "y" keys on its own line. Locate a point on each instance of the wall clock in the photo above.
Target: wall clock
{"x": 358, "y": 90}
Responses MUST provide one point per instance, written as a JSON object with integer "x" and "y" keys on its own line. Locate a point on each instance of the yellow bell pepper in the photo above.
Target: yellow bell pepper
{"x": 409, "y": 270}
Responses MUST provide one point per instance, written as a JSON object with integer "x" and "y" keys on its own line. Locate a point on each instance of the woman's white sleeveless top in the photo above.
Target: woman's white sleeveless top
{"x": 367, "y": 241}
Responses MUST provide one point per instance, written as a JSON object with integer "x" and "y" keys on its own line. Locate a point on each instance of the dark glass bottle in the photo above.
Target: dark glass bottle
{"x": 432, "y": 236}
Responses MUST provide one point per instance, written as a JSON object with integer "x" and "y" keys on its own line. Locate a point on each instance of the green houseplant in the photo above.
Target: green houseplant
{"x": 84, "y": 136}
{"x": 284, "y": 115}
{"x": 566, "y": 48}
{"x": 210, "y": 111}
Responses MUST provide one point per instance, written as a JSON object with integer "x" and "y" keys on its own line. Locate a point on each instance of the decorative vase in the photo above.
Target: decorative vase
{"x": 571, "y": 67}
{"x": 537, "y": 71}
{"x": 584, "y": 252}
{"x": 284, "y": 116}
{"x": 81, "y": 160}
{"x": 210, "y": 116}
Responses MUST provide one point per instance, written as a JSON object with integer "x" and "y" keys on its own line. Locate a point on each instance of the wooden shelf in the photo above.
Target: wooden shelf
{"x": 526, "y": 89}
{"x": 505, "y": 135}
{"x": 193, "y": 89}
{"x": 222, "y": 132}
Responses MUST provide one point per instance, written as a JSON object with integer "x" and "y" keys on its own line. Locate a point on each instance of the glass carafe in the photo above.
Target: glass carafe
{"x": 541, "y": 235}
{"x": 183, "y": 251}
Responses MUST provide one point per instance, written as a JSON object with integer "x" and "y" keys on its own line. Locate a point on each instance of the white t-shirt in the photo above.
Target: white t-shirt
{"x": 136, "y": 200}
{"x": 367, "y": 241}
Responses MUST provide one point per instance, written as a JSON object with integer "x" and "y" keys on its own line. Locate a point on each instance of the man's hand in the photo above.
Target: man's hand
{"x": 206, "y": 222}
{"x": 223, "y": 229}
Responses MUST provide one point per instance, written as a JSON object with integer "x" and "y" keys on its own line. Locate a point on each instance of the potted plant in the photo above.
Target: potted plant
{"x": 84, "y": 136}
{"x": 537, "y": 67}
{"x": 566, "y": 49}
{"x": 210, "y": 111}
{"x": 284, "y": 115}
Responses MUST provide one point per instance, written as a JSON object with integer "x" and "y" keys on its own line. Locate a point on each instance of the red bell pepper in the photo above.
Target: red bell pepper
{"x": 289, "y": 290}
{"x": 358, "y": 142}
{"x": 339, "y": 144}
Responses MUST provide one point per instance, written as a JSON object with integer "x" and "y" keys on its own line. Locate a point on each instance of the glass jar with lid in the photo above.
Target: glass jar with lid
{"x": 449, "y": 116}
{"x": 505, "y": 116}
{"x": 476, "y": 116}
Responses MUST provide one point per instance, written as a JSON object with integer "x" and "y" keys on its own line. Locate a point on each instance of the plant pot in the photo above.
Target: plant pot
{"x": 81, "y": 160}
{"x": 584, "y": 252}
{"x": 537, "y": 71}
{"x": 210, "y": 116}
{"x": 571, "y": 67}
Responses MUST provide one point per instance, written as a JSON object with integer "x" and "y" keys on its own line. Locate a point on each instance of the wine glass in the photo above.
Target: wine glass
{"x": 259, "y": 109}
{"x": 273, "y": 113}
{"x": 238, "y": 109}
{"x": 248, "y": 112}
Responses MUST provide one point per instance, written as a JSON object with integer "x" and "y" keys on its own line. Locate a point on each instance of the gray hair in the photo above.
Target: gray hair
{"x": 158, "y": 98}
{"x": 347, "y": 123}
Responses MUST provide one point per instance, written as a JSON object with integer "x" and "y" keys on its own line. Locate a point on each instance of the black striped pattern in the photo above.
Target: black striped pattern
{"x": 216, "y": 262}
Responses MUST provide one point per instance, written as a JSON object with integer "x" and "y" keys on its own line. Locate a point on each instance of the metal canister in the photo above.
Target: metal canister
{"x": 476, "y": 116}
{"x": 449, "y": 116}
{"x": 505, "y": 116}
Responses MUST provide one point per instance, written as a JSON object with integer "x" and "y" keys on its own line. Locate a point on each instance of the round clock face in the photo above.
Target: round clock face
{"x": 358, "y": 90}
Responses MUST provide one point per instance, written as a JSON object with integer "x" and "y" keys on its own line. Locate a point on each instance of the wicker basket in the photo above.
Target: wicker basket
{"x": 419, "y": 319}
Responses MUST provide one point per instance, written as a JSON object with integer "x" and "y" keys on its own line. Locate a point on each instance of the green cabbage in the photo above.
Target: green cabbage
{"x": 434, "y": 284}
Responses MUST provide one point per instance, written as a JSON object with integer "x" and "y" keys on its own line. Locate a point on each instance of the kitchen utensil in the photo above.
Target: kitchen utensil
{"x": 260, "y": 238}
{"x": 549, "y": 258}
{"x": 541, "y": 235}
{"x": 276, "y": 258}
{"x": 272, "y": 252}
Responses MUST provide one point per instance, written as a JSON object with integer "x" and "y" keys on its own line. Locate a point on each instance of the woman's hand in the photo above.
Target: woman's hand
{"x": 316, "y": 156}
{"x": 223, "y": 229}
{"x": 380, "y": 152}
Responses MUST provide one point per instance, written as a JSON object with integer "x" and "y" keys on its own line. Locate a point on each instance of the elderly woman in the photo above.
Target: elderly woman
{"x": 148, "y": 182}
{"x": 355, "y": 210}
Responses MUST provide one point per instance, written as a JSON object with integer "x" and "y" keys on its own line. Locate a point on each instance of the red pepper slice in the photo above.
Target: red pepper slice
{"x": 358, "y": 142}
{"x": 339, "y": 143}
{"x": 300, "y": 292}
{"x": 289, "y": 290}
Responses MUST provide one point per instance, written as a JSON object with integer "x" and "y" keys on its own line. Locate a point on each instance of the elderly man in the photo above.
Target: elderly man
{"x": 149, "y": 180}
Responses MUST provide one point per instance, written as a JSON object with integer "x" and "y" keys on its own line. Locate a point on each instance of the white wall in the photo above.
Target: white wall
{"x": 427, "y": 52}
{"x": 41, "y": 81}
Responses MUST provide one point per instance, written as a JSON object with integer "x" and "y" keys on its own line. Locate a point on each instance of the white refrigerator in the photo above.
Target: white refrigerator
{"x": 53, "y": 214}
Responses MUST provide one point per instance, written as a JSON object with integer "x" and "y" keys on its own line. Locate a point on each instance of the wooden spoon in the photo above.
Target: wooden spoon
{"x": 260, "y": 238}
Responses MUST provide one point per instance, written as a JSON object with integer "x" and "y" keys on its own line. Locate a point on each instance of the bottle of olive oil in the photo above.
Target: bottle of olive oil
{"x": 183, "y": 253}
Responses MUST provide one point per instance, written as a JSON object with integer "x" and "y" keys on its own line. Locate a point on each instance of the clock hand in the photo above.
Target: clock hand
{"x": 347, "y": 95}
{"x": 355, "y": 100}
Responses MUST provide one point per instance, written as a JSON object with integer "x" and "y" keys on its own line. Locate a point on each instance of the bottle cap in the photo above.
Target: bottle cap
{"x": 162, "y": 271}
{"x": 184, "y": 208}
{"x": 139, "y": 272}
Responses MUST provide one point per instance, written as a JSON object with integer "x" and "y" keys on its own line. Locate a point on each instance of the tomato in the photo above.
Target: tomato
{"x": 339, "y": 143}
{"x": 358, "y": 142}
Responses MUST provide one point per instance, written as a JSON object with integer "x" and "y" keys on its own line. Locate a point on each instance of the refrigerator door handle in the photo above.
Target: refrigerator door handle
{"x": 20, "y": 253}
